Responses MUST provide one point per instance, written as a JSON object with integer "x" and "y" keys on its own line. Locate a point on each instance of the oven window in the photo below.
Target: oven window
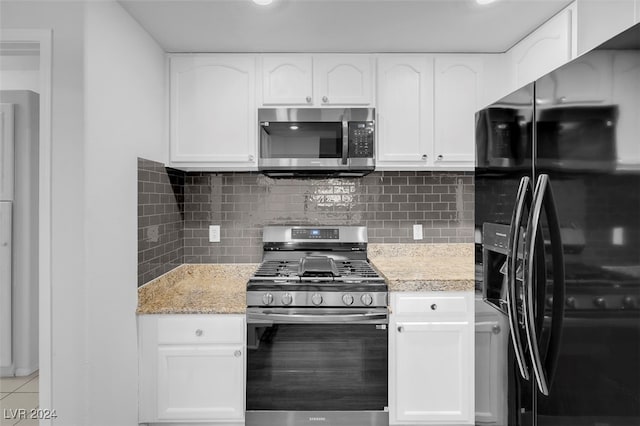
{"x": 317, "y": 367}
{"x": 301, "y": 140}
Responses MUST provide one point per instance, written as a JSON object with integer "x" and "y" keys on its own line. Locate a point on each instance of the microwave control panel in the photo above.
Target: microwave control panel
{"x": 361, "y": 139}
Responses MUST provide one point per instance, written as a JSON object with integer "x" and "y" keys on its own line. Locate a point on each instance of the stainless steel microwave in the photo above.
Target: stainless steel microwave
{"x": 316, "y": 141}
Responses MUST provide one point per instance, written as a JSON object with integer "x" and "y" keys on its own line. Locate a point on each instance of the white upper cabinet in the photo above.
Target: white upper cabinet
{"x": 550, "y": 46}
{"x": 405, "y": 112}
{"x": 458, "y": 80}
{"x": 213, "y": 112}
{"x": 637, "y": 8}
{"x": 319, "y": 80}
{"x": 287, "y": 80}
{"x": 344, "y": 79}
{"x": 626, "y": 68}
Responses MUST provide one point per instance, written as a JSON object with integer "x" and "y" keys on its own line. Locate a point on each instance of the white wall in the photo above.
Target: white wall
{"x": 19, "y": 72}
{"x": 68, "y": 325}
{"x": 125, "y": 118}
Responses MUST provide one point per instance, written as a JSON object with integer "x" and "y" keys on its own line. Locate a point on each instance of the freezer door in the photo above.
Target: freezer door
{"x": 5, "y": 287}
{"x": 6, "y": 152}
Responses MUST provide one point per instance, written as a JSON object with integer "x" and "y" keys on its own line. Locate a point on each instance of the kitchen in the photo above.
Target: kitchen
{"x": 89, "y": 212}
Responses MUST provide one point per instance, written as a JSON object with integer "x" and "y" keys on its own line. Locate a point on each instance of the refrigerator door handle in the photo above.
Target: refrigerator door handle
{"x": 512, "y": 263}
{"x": 543, "y": 196}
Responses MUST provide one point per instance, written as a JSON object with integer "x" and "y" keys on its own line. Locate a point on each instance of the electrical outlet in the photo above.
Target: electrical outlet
{"x": 214, "y": 233}
{"x": 618, "y": 236}
{"x": 417, "y": 232}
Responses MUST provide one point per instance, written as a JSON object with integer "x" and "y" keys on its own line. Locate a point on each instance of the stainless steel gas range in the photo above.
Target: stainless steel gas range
{"x": 317, "y": 337}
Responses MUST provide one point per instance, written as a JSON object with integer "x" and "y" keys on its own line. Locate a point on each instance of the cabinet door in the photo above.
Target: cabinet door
{"x": 637, "y": 7}
{"x": 287, "y": 80}
{"x": 6, "y": 152}
{"x": 433, "y": 372}
{"x": 200, "y": 382}
{"x": 344, "y": 79}
{"x": 405, "y": 112}
{"x": 491, "y": 340}
{"x": 457, "y": 98}
{"x": 626, "y": 86}
{"x": 544, "y": 50}
{"x": 213, "y": 114}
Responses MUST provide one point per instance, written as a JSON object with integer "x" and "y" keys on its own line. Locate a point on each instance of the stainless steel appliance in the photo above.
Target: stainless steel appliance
{"x": 317, "y": 338}
{"x": 560, "y": 246}
{"x": 316, "y": 141}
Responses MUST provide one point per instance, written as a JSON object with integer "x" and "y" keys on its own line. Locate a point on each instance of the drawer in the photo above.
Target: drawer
{"x": 415, "y": 303}
{"x": 201, "y": 329}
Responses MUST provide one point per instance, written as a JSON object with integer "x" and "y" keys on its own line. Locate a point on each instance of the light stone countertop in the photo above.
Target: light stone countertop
{"x": 221, "y": 288}
{"x": 425, "y": 267}
{"x": 198, "y": 289}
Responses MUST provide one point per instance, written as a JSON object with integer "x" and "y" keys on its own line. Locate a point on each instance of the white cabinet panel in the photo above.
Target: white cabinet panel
{"x": 547, "y": 48}
{"x": 200, "y": 382}
{"x": 626, "y": 69}
{"x": 405, "y": 112}
{"x": 345, "y": 79}
{"x": 213, "y": 114}
{"x": 458, "y": 80}
{"x": 637, "y": 7}
{"x": 287, "y": 80}
{"x": 6, "y": 152}
{"x": 432, "y": 371}
{"x": 431, "y": 359}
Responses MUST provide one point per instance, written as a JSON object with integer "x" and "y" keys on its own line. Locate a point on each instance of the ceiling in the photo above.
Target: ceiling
{"x": 340, "y": 25}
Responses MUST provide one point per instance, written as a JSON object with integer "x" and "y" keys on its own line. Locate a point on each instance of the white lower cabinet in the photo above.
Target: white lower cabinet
{"x": 431, "y": 359}
{"x": 192, "y": 369}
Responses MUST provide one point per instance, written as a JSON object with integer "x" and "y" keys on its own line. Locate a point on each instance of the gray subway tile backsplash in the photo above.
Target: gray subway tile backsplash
{"x": 388, "y": 203}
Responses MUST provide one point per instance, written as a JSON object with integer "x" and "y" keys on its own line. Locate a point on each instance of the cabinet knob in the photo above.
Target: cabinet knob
{"x": 325, "y": 99}
{"x": 496, "y": 329}
{"x": 400, "y": 329}
{"x": 308, "y": 99}
{"x": 434, "y": 307}
{"x": 198, "y": 332}
{"x": 440, "y": 157}
{"x": 251, "y": 158}
{"x": 237, "y": 354}
{"x": 424, "y": 156}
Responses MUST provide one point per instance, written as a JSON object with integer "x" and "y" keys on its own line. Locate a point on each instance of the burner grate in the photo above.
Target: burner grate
{"x": 347, "y": 270}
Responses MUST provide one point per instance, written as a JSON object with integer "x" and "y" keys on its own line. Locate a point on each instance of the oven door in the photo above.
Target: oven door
{"x": 317, "y": 366}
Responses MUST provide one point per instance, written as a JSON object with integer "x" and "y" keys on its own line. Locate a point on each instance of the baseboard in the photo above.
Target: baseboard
{"x": 25, "y": 371}
{"x": 7, "y": 371}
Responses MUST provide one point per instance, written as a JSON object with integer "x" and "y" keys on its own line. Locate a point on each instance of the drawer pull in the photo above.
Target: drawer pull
{"x": 198, "y": 332}
{"x": 400, "y": 329}
{"x": 434, "y": 307}
{"x": 237, "y": 354}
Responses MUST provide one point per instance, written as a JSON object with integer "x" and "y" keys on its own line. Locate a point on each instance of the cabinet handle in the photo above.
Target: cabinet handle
{"x": 424, "y": 156}
{"x": 434, "y": 307}
{"x": 325, "y": 99}
{"x": 237, "y": 354}
{"x": 400, "y": 329}
{"x": 440, "y": 157}
{"x": 198, "y": 332}
{"x": 308, "y": 99}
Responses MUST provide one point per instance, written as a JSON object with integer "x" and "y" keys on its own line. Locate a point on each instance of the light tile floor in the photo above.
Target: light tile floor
{"x": 18, "y": 393}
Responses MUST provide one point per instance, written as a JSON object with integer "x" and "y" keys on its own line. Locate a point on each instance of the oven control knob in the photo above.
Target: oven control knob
{"x": 600, "y": 302}
{"x": 571, "y": 302}
{"x": 347, "y": 299}
{"x": 267, "y": 298}
{"x": 287, "y": 299}
{"x": 366, "y": 299}
{"x": 316, "y": 299}
{"x": 629, "y": 302}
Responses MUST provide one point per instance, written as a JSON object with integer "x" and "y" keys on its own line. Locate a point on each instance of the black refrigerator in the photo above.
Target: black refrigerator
{"x": 557, "y": 217}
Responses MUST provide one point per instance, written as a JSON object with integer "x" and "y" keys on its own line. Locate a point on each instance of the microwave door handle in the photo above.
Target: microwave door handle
{"x": 345, "y": 142}
{"x": 512, "y": 263}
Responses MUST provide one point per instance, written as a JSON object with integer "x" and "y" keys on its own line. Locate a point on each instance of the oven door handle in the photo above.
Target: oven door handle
{"x": 377, "y": 317}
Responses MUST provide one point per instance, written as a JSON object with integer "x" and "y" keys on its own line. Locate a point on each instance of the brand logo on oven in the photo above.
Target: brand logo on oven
{"x": 317, "y": 419}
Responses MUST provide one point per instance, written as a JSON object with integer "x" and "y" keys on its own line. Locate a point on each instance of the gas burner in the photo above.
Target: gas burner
{"x": 301, "y": 270}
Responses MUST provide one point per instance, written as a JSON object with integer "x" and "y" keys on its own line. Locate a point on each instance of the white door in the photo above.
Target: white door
{"x": 457, "y": 98}
{"x": 6, "y": 152}
{"x": 344, "y": 79}
{"x": 200, "y": 382}
{"x": 405, "y": 112}
{"x": 433, "y": 372}
{"x": 287, "y": 80}
{"x": 6, "y": 358}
